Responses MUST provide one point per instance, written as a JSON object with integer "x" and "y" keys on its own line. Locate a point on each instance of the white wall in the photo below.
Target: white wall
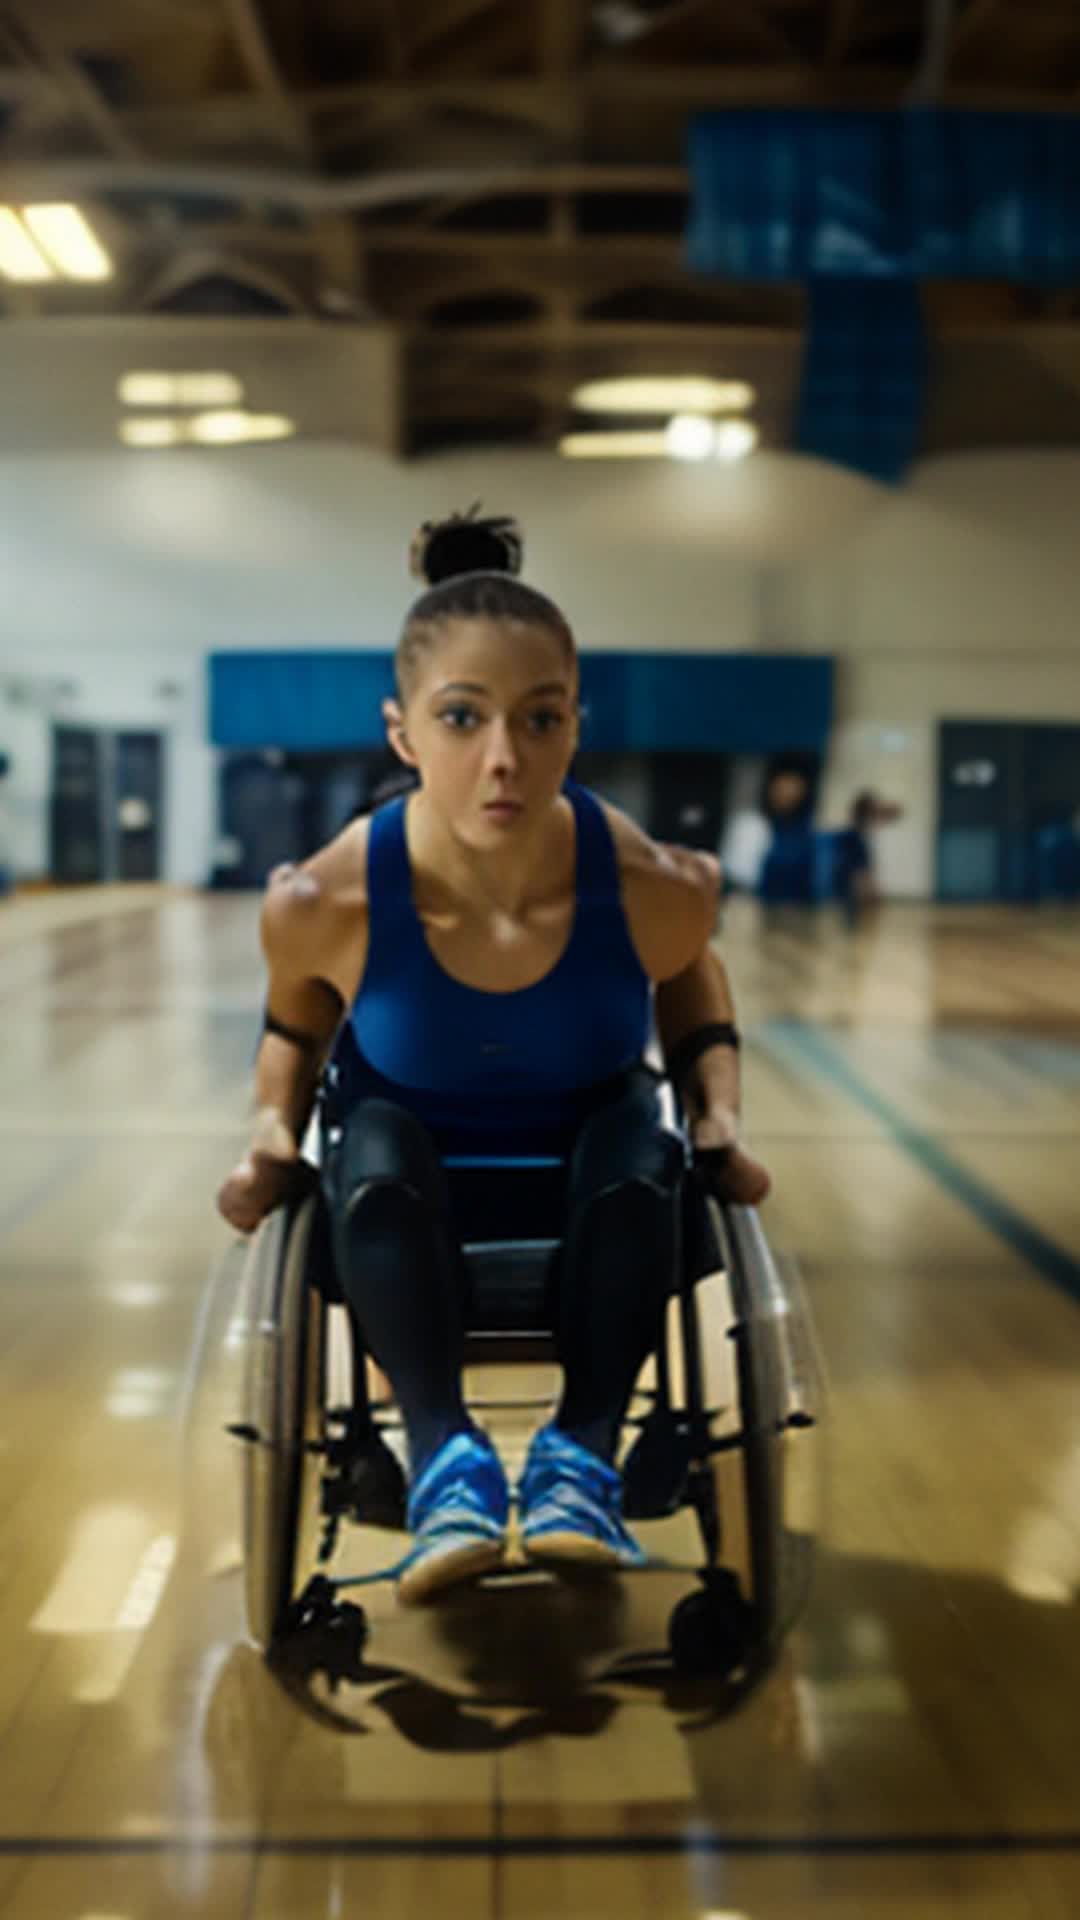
{"x": 116, "y": 690}
{"x": 958, "y": 599}
{"x": 954, "y": 597}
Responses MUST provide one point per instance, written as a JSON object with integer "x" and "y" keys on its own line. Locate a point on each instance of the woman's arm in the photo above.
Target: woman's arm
{"x": 695, "y": 1002}
{"x": 695, "y": 1020}
{"x": 302, "y": 1015}
{"x": 695, "y": 1017}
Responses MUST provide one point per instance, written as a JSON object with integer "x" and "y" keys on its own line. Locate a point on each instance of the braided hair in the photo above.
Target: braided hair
{"x": 471, "y": 566}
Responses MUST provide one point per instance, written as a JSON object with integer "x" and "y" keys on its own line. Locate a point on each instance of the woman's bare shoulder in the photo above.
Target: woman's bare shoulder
{"x": 638, "y": 852}
{"x": 308, "y": 908}
{"x": 670, "y": 894}
{"x": 340, "y": 868}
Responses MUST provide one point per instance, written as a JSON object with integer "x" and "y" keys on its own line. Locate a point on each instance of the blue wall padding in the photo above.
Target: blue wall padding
{"x": 864, "y": 369}
{"x": 729, "y": 703}
{"x": 303, "y": 701}
{"x": 917, "y": 194}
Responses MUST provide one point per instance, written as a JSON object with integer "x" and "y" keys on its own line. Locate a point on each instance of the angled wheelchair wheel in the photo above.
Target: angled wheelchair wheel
{"x": 284, "y": 1425}
{"x": 746, "y": 1383}
{"x": 783, "y": 1392}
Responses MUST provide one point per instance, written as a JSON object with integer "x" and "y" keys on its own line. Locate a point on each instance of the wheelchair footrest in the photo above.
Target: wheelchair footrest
{"x": 364, "y": 1480}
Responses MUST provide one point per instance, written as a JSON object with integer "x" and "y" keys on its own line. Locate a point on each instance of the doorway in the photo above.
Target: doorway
{"x": 1007, "y": 790}
{"x": 105, "y": 805}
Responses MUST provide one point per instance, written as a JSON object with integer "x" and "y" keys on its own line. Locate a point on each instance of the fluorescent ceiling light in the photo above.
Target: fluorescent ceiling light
{"x": 63, "y": 234}
{"x": 734, "y": 439}
{"x": 227, "y": 427}
{"x": 231, "y": 426}
{"x": 208, "y": 390}
{"x": 690, "y": 436}
{"x": 180, "y": 390}
{"x": 628, "y": 445}
{"x": 687, "y": 437}
{"x": 152, "y": 433}
{"x": 663, "y": 393}
{"x": 20, "y": 259}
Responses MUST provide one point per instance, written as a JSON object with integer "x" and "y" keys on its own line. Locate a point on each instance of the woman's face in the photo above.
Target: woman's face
{"x": 490, "y": 721}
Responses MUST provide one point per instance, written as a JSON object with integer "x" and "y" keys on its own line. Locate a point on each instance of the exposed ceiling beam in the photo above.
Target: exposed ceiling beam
{"x": 193, "y": 265}
{"x": 540, "y": 100}
{"x": 716, "y": 335}
{"x": 450, "y": 16}
{"x": 561, "y": 29}
{"x": 749, "y": 17}
{"x": 842, "y": 18}
{"x": 249, "y": 34}
{"x": 20, "y": 85}
{"x": 976, "y": 16}
{"x": 928, "y": 80}
{"x": 337, "y": 243}
{"x": 600, "y": 80}
{"x": 395, "y": 43}
{"x": 34, "y": 179}
{"x": 654, "y": 248}
{"x": 71, "y": 81}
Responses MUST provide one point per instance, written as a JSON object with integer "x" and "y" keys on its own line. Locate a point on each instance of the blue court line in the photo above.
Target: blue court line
{"x": 1049, "y": 1259}
{"x": 694, "y": 1843}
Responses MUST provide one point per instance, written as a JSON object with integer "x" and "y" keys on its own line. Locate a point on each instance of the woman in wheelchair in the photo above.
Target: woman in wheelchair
{"x": 490, "y": 951}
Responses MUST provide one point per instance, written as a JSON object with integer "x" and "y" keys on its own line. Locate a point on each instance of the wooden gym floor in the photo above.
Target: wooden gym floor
{"x": 915, "y": 1089}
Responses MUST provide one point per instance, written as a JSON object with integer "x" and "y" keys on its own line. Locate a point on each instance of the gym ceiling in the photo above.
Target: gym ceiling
{"x": 422, "y": 226}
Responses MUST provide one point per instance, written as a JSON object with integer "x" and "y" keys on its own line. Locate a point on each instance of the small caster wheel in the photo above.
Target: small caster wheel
{"x": 345, "y": 1638}
{"x": 322, "y": 1634}
{"x": 313, "y": 1607}
{"x": 710, "y": 1631}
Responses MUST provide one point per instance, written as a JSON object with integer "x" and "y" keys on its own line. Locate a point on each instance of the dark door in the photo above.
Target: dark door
{"x": 262, "y": 815}
{"x": 686, "y": 803}
{"x": 1006, "y": 788}
{"x": 1052, "y": 811}
{"x": 77, "y": 848}
{"x": 980, "y": 811}
{"x": 137, "y": 806}
{"x": 1051, "y": 775}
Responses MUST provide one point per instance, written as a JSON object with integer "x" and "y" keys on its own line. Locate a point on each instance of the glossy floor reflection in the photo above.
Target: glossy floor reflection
{"x": 916, "y": 1091}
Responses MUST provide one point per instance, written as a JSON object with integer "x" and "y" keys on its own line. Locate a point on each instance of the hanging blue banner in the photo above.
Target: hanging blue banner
{"x": 863, "y": 206}
{"x": 917, "y": 194}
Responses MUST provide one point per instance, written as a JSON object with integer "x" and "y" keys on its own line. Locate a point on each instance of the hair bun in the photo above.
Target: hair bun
{"x": 442, "y": 549}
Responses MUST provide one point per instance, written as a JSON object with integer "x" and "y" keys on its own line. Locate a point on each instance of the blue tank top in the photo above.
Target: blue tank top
{"x": 487, "y": 1069}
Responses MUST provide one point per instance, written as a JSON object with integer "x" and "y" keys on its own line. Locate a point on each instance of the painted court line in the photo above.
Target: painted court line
{"x": 541, "y": 1846}
{"x": 817, "y": 1052}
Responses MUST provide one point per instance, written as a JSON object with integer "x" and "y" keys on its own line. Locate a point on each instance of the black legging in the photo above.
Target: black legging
{"x": 398, "y": 1258}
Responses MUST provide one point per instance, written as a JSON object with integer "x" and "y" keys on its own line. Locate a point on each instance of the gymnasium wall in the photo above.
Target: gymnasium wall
{"x": 951, "y": 598}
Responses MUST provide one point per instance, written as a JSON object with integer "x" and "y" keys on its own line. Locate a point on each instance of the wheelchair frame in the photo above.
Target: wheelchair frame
{"x": 731, "y": 1464}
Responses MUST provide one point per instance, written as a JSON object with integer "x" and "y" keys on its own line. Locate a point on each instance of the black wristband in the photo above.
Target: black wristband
{"x": 718, "y": 1033}
{"x": 711, "y": 1160}
{"x": 307, "y": 1042}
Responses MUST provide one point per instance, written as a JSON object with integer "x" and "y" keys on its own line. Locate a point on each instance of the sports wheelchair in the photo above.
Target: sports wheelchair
{"x": 720, "y": 1424}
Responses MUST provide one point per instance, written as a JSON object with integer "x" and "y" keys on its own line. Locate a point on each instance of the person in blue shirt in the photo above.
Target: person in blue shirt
{"x": 486, "y": 956}
{"x": 853, "y": 879}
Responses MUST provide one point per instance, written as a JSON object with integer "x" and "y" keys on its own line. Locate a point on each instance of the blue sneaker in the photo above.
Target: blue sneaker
{"x": 458, "y": 1509}
{"x": 571, "y": 1506}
